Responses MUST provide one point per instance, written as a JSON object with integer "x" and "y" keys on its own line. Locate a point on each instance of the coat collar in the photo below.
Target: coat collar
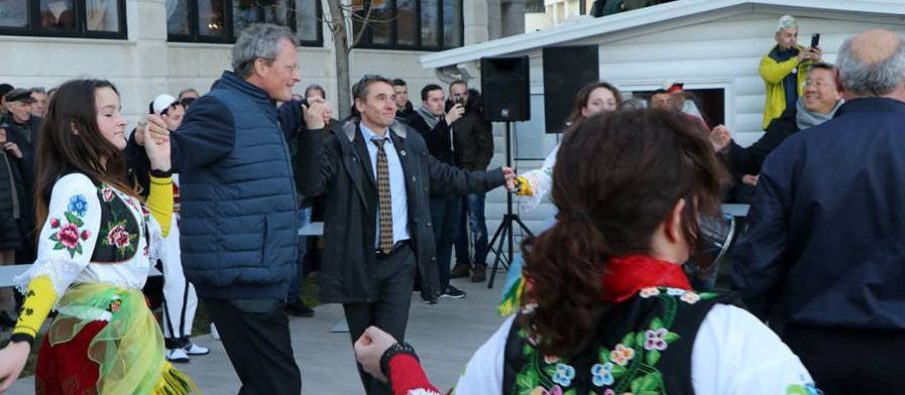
{"x": 872, "y": 105}
{"x": 398, "y": 130}
{"x": 232, "y": 81}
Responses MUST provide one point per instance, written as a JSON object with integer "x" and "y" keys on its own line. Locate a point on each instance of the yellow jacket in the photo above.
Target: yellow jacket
{"x": 773, "y": 73}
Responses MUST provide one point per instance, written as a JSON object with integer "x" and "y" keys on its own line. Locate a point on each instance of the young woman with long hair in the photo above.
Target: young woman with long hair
{"x": 608, "y": 309}
{"x": 94, "y": 252}
{"x": 594, "y": 98}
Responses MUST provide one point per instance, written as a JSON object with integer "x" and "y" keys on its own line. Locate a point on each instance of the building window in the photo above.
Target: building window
{"x": 64, "y": 18}
{"x": 408, "y": 24}
{"x": 221, "y": 21}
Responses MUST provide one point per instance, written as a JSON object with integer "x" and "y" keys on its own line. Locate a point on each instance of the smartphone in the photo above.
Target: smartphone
{"x": 815, "y": 40}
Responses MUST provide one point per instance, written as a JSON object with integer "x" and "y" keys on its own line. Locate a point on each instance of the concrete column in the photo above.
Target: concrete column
{"x": 147, "y": 23}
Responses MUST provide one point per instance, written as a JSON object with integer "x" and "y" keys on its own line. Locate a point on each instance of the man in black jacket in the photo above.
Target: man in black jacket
{"x": 377, "y": 175}
{"x": 404, "y": 108}
{"x": 474, "y": 139}
{"x": 446, "y": 210}
{"x": 820, "y": 101}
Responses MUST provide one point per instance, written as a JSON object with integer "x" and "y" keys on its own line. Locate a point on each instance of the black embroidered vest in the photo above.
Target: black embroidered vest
{"x": 643, "y": 346}
{"x": 118, "y": 237}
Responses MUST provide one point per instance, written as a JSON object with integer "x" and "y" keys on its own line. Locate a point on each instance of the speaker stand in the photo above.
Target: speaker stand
{"x": 504, "y": 234}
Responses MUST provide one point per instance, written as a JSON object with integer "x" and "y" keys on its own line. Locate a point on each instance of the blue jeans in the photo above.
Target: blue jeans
{"x": 446, "y": 213}
{"x": 474, "y": 217}
{"x": 301, "y": 270}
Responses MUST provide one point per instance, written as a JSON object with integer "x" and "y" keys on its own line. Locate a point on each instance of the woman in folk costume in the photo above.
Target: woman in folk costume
{"x": 94, "y": 253}
{"x": 534, "y": 185}
{"x": 609, "y": 309}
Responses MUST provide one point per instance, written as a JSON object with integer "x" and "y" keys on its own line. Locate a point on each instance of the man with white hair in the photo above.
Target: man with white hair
{"x": 783, "y": 69}
{"x": 826, "y": 239}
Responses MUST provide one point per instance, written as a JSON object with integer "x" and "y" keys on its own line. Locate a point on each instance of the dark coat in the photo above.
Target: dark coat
{"x": 26, "y": 137}
{"x": 473, "y": 135}
{"x": 12, "y": 202}
{"x": 749, "y": 160}
{"x": 825, "y": 232}
{"x": 239, "y": 229}
{"x": 436, "y": 138}
{"x": 339, "y": 167}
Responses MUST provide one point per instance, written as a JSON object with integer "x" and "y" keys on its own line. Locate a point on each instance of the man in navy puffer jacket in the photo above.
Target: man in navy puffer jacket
{"x": 239, "y": 227}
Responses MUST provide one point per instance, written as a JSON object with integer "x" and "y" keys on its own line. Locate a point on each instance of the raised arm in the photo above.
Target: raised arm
{"x": 207, "y": 134}
{"x": 319, "y": 160}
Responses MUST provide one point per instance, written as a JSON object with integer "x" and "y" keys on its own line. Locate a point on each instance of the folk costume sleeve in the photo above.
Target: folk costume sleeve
{"x": 65, "y": 247}
{"x": 484, "y": 372}
{"x": 404, "y": 372}
{"x": 535, "y": 184}
{"x": 160, "y": 202}
{"x": 734, "y": 353}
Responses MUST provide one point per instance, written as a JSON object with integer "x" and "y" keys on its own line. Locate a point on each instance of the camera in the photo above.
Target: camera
{"x": 460, "y": 100}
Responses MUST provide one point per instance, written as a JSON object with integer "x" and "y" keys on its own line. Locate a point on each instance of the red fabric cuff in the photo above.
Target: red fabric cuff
{"x": 407, "y": 375}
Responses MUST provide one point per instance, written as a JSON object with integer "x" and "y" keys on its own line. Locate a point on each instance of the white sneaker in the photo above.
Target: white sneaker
{"x": 194, "y": 349}
{"x": 214, "y": 333}
{"x": 177, "y": 355}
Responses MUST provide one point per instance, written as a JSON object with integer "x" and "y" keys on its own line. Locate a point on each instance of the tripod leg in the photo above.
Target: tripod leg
{"x": 503, "y": 232}
{"x": 498, "y": 233}
{"x": 523, "y": 226}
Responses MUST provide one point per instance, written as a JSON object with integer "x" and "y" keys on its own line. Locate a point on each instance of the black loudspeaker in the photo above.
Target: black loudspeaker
{"x": 504, "y": 86}
{"x": 566, "y": 71}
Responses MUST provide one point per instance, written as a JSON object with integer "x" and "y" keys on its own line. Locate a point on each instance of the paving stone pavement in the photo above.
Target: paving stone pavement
{"x": 445, "y": 336}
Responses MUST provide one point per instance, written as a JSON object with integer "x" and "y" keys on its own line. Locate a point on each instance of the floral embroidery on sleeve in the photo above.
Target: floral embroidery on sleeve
{"x": 69, "y": 236}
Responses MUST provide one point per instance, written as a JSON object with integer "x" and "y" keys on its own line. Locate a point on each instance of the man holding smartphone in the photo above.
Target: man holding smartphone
{"x": 784, "y": 69}
{"x": 474, "y": 137}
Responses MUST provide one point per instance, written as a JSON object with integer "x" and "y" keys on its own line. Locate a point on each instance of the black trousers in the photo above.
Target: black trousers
{"x": 396, "y": 278}
{"x": 255, "y": 334}
{"x": 845, "y": 361}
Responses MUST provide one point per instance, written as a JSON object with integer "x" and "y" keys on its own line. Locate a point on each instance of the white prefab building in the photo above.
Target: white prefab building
{"x": 707, "y": 44}
{"x": 713, "y": 45}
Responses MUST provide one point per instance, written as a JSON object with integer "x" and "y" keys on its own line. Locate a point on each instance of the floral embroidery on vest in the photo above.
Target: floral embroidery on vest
{"x": 120, "y": 231}
{"x": 629, "y": 368}
{"x": 69, "y": 236}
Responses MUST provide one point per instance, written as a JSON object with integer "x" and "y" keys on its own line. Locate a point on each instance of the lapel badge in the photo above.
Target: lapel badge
{"x": 402, "y": 152}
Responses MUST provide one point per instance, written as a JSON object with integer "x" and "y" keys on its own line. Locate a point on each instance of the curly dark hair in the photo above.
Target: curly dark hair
{"x": 617, "y": 177}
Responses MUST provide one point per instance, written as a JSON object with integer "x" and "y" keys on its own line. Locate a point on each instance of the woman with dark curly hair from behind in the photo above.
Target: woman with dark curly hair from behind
{"x": 608, "y": 309}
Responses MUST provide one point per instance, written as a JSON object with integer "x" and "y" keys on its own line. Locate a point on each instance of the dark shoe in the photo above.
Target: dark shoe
{"x": 479, "y": 274}
{"x": 453, "y": 293}
{"x": 460, "y": 271}
{"x": 298, "y": 309}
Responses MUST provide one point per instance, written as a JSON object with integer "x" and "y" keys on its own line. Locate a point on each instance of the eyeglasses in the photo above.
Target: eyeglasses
{"x": 816, "y": 84}
{"x": 292, "y": 68}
